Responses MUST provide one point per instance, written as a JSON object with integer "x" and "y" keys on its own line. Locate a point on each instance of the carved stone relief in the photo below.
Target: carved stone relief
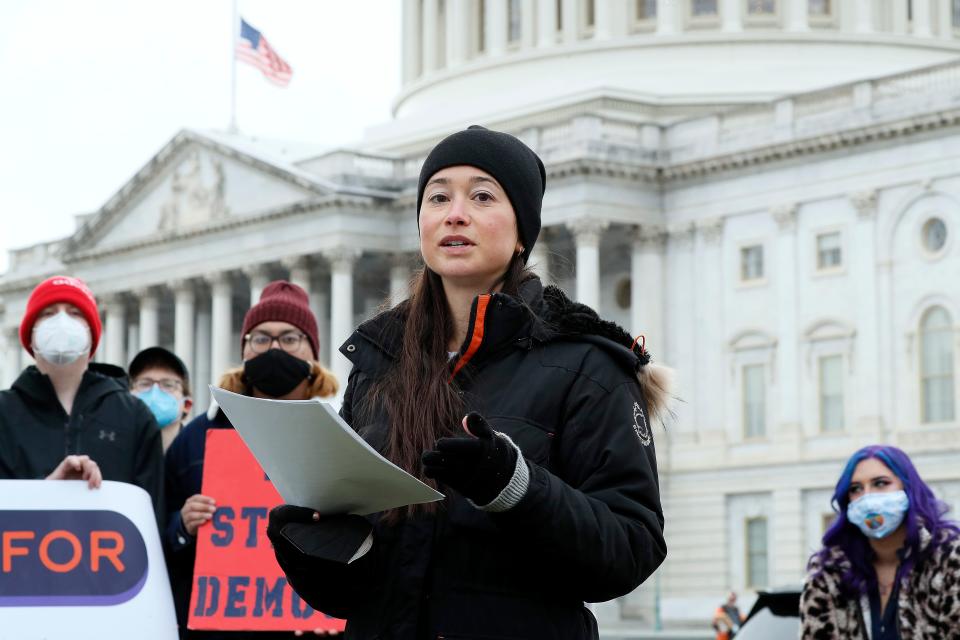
{"x": 197, "y": 191}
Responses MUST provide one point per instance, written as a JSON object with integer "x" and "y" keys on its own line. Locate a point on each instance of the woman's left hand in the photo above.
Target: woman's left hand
{"x": 479, "y": 466}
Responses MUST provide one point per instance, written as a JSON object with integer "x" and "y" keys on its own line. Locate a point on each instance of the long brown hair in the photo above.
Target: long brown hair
{"x": 421, "y": 401}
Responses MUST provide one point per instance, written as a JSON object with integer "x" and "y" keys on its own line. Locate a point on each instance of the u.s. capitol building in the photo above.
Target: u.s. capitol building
{"x": 768, "y": 190}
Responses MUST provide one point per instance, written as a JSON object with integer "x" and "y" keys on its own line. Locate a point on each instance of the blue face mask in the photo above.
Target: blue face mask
{"x": 165, "y": 407}
{"x": 878, "y": 514}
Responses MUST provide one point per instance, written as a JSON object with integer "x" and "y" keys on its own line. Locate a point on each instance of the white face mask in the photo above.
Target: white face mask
{"x": 61, "y": 339}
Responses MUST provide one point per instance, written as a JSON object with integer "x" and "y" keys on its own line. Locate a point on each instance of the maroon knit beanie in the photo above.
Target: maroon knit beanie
{"x": 282, "y": 301}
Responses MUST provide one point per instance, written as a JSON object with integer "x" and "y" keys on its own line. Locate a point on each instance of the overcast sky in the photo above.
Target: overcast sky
{"x": 91, "y": 89}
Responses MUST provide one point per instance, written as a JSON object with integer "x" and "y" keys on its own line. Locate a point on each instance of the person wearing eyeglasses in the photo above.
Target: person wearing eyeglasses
{"x": 280, "y": 348}
{"x": 161, "y": 380}
{"x": 67, "y": 417}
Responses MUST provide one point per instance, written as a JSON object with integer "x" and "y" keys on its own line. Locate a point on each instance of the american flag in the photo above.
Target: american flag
{"x": 254, "y": 49}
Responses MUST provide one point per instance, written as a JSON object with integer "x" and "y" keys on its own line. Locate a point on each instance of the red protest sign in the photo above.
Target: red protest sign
{"x": 237, "y": 583}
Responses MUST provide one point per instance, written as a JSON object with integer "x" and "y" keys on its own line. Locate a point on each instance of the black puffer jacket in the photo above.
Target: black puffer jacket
{"x": 107, "y": 423}
{"x": 564, "y": 386}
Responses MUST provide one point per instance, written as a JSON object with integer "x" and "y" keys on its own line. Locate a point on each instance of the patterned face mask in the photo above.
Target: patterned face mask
{"x": 878, "y": 515}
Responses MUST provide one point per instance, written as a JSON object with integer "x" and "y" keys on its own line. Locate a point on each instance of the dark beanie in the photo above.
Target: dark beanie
{"x": 514, "y": 165}
{"x": 282, "y": 301}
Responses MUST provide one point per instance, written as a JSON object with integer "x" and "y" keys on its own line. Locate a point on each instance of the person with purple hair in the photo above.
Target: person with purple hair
{"x": 889, "y": 568}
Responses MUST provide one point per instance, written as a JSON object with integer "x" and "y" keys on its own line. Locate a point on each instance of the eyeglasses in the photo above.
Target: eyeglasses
{"x": 167, "y": 384}
{"x": 260, "y": 342}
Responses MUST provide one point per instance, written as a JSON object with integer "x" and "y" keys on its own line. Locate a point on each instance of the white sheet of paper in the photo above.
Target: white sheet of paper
{"x": 316, "y": 460}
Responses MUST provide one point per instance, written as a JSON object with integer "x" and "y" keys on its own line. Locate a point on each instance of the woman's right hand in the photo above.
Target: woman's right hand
{"x": 197, "y": 510}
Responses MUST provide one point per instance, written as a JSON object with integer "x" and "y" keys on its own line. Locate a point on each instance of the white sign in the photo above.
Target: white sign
{"x": 81, "y": 563}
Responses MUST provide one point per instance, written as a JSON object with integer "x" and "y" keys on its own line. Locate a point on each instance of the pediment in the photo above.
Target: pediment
{"x": 752, "y": 339}
{"x": 192, "y": 184}
{"x": 829, "y": 329}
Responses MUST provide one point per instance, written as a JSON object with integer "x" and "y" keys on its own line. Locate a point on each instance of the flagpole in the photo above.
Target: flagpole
{"x": 233, "y": 70}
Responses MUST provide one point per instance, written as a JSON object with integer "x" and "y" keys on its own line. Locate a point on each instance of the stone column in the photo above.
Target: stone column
{"x": 528, "y": 31}
{"x": 202, "y": 373}
{"x": 570, "y": 17}
{"x": 458, "y": 32}
{"x": 708, "y": 335}
{"x": 863, "y": 270}
{"x": 149, "y": 318}
{"x": 865, "y": 18}
{"x": 12, "y": 356}
{"x": 546, "y": 23}
{"x": 183, "y": 318}
{"x": 922, "y": 19}
{"x": 646, "y": 285}
{"x": 341, "y": 261}
{"x": 539, "y": 259}
{"x": 428, "y": 37}
{"x": 321, "y": 305}
{"x": 788, "y": 370}
{"x": 587, "y": 233}
{"x": 797, "y": 15}
{"x": 679, "y": 339}
{"x": 612, "y": 19}
{"x": 399, "y": 277}
{"x": 259, "y": 278}
{"x": 411, "y": 40}
{"x": 730, "y": 15}
{"x": 898, "y": 22}
{"x": 787, "y": 554}
{"x": 667, "y": 13}
{"x": 299, "y": 272}
{"x": 495, "y": 27}
{"x": 115, "y": 331}
{"x": 221, "y": 331}
{"x": 944, "y": 19}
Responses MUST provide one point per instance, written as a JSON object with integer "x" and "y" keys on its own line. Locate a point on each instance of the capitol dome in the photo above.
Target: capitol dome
{"x": 467, "y": 60}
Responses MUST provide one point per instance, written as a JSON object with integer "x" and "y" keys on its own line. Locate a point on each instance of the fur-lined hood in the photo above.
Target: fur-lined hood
{"x": 565, "y": 319}
{"x": 550, "y": 316}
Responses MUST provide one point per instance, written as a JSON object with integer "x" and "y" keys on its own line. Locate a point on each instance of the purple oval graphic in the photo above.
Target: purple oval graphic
{"x": 64, "y": 557}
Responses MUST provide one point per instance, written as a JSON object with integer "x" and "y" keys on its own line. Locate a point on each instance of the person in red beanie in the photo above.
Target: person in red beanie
{"x": 65, "y": 402}
{"x": 279, "y": 345}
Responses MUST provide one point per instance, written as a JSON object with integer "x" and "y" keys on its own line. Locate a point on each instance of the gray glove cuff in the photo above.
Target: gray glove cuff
{"x": 516, "y": 488}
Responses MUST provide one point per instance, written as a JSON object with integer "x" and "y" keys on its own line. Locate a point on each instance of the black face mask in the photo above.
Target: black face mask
{"x": 276, "y": 372}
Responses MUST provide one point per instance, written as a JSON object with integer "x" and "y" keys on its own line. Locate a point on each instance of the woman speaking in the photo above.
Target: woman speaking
{"x": 530, "y": 413}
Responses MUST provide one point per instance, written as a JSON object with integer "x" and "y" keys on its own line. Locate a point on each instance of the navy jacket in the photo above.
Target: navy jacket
{"x": 563, "y": 385}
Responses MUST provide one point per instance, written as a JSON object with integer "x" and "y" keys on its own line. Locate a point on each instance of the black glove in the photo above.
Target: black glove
{"x": 294, "y": 534}
{"x": 479, "y": 467}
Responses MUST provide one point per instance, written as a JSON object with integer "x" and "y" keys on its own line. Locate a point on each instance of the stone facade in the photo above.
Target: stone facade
{"x": 777, "y": 237}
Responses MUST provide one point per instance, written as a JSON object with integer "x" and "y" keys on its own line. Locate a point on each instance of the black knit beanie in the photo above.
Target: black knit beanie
{"x": 514, "y": 165}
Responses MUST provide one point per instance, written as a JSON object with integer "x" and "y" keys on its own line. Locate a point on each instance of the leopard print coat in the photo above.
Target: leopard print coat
{"x": 928, "y": 603}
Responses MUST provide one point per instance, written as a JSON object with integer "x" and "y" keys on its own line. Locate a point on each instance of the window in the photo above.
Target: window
{"x": 821, "y": 8}
{"x": 829, "y": 253}
{"x": 756, "y": 537}
{"x": 761, "y": 7}
{"x": 647, "y": 9}
{"x": 751, "y": 263}
{"x": 955, "y": 12}
{"x": 559, "y": 15}
{"x": 481, "y": 28}
{"x": 703, "y": 8}
{"x": 589, "y": 14}
{"x": 936, "y": 366}
{"x": 831, "y": 393}
{"x": 934, "y": 235}
{"x": 514, "y": 21}
{"x": 754, "y": 402}
{"x": 826, "y": 520}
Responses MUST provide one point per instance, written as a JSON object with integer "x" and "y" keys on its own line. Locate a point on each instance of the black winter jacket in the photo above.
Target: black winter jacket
{"x": 107, "y": 423}
{"x": 563, "y": 385}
